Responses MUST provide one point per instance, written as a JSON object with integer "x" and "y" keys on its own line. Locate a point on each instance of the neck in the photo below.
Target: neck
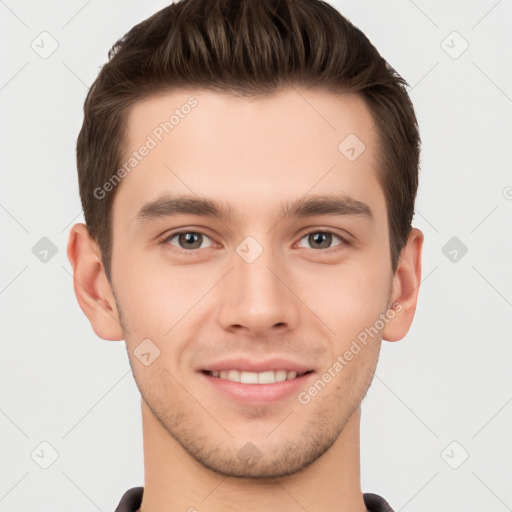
{"x": 174, "y": 481}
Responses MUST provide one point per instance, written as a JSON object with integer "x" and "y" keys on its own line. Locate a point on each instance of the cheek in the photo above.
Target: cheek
{"x": 139, "y": 295}
{"x": 347, "y": 297}
{"x": 158, "y": 299}
{"x": 154, "y": 306}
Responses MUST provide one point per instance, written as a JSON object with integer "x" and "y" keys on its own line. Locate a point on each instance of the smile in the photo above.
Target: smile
{"x": 266, "y": 377}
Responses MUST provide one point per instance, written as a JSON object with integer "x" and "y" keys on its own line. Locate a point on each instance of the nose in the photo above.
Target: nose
{"x": 258, "y": 296}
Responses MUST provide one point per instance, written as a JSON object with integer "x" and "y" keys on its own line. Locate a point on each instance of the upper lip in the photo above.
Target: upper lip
{"x": 253, "y": 365}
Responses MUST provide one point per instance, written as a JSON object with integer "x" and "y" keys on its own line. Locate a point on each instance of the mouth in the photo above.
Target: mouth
{"x": 265, "y": 377}
{"x": 248, "y": 382}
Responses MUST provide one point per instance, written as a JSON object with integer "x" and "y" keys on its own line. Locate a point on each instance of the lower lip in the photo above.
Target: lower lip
{"x": 256, "y": 394}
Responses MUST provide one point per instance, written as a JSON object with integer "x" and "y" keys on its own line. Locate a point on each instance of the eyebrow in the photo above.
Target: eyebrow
{"x": 310, "y": 206}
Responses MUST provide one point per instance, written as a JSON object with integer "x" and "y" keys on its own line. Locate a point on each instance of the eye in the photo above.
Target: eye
{"x": 188, "y": 240}
{"x": 322, "y": 239}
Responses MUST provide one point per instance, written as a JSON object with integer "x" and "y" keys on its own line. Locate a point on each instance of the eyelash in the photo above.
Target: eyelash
{"x": 330, "y": 250}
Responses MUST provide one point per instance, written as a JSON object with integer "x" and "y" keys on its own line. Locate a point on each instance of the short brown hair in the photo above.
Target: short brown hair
{"x": 248, "y": 48}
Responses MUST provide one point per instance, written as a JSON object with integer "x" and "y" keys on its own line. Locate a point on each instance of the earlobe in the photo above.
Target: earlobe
{"x": 406, "y": 284}
{"x": 92, "y": 289}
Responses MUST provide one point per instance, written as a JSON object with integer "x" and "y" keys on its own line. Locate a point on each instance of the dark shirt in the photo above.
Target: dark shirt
{"x": 132, "y": 498}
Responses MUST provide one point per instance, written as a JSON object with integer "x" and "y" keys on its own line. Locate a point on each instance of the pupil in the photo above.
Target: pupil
{"x": 319, "y": 237}
{"x": 190, "y": 238}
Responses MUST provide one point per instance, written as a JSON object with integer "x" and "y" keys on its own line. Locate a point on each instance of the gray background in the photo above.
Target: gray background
{"x": 440, "y": 395}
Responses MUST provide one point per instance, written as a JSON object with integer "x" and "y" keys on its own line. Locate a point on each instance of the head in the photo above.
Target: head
{"x": 264, "y": 119}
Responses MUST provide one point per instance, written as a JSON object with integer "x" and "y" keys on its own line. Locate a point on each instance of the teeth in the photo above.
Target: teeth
{"x": 249, "y": 377}
{"x": 281, "y": 375}
{"x": 268, "y": 377}
{"x": 233, "y": 375}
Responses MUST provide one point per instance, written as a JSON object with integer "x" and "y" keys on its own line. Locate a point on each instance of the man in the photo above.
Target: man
{"x": 248, "y": 172}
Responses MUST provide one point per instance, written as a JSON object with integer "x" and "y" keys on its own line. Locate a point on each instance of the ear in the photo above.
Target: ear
{"x": 405, "y": 288}
{"x": 92, "y": 289}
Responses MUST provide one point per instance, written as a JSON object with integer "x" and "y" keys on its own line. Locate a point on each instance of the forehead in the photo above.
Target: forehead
{"x": 296, "y": 115}
{"x": 249, "y": 150}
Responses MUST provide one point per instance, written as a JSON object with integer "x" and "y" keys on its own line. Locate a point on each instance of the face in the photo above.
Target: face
{"x": 249, "y": 246}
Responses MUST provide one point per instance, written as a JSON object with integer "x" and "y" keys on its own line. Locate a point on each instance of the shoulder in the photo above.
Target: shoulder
{"x": 131, "y": 500}
{"x": 375, "y": 503}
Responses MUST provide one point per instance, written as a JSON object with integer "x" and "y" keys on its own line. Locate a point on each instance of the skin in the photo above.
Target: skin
{"x": 301, "y": 299}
